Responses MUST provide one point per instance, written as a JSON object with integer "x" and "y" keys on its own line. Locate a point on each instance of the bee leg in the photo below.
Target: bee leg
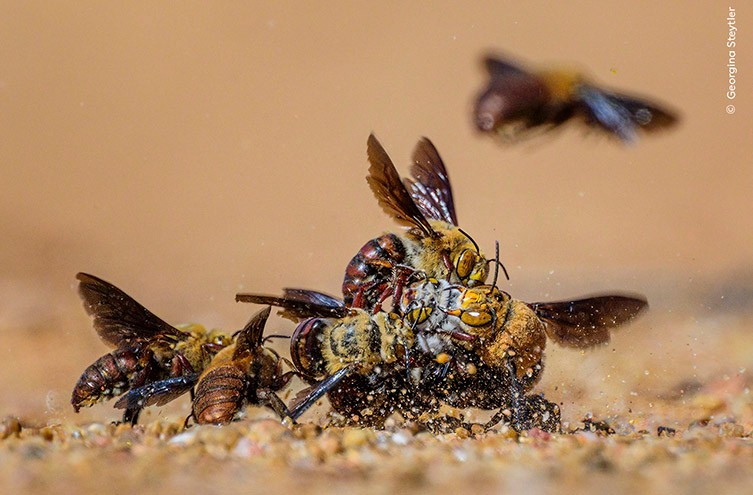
{"x": 319, "y": 390}
{"x": 447, "y": 261}
{"x": 185, "y": 422}
{"x": 284, "y": 379}
{"x": 437, "y": 374}
{"x": 181, "y": 365}
{"x": 361, "y": 299}
{"x": 272, "y": 400}
{"x": 131, "y": 416}
{"x": 516, "y": 415}
{"x": 519, "y": 418}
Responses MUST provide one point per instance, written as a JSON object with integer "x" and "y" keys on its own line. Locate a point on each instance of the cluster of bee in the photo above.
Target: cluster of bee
{"x": 418, "y": 327}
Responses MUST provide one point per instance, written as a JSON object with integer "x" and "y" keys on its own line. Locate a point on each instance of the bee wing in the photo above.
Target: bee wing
{"x": 118, "y": 318}
{"x": 313, "y": 296}
{"x": 586, "y": 322}
{"x": 252, "y": 335}
{"x": 298, "y": 307}
{"x": 622, "y": 115}
{"x": 430, "y": 186}
{"x": 390, "y": 192}
{"x": 157, "y": 393}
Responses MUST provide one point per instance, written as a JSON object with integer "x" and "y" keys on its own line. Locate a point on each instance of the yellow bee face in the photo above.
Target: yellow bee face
{"x": 481, "y": 307}
{"x": 470, "y": 267}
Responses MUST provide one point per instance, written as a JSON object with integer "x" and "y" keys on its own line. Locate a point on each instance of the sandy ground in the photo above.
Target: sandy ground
{"x": 188, "y": 155}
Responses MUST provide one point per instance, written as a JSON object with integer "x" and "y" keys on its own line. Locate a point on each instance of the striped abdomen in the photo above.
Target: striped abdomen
{"x": 219, "y": 395}
{"x": 306, "y": 348}
{"x": 371, "y": 268}
{"x": 111, "y": 375}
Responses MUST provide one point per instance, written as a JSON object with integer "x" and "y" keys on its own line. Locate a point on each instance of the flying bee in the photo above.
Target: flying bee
{"x": 433, "y": 244}
{"x": 146, "y": 348}
{"x": 245, "y": 372}
{"x": 358, "y": 359}
{"x": 498, "y": 343}
{"x": 516, "y": 101}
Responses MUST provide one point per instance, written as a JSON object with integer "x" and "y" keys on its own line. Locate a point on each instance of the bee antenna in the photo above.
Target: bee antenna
{"x": 470, "y": 239}
{"x": 275, "y": 336}
{"x": 498, "y": 264}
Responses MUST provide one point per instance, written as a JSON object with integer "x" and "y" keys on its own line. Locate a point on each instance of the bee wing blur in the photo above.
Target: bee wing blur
{"x": 430, "y": 186}
{"x": 498, "y": 68}
{"x": 157, "y": 393}
{"x": 252, "y": 335}
{"x": 118, "y": 318}
{"x": 295, "y": 308}
{"x": 390, "y": 192}
{"x": 622, "y": 115}
{"x": 587, "y": 322}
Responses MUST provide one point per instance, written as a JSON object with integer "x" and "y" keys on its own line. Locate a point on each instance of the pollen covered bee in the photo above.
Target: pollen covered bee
{"x": 146, "y": 348}
{"x": 433, "y": 244}
{"x": 495, "y": 344}
{"x": 245, "y": 372}
{"x": 359, "y": 360}
{"x": 516, "y": 101}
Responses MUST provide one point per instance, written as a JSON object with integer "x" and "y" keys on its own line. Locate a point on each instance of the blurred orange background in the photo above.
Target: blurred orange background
{"x": 188, "y": 152}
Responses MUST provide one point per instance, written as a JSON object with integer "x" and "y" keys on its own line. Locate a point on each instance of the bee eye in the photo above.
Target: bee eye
{"x": 476, "y": 318}
{"x": 418, "y": 315}
{"x": 465, "y": 263}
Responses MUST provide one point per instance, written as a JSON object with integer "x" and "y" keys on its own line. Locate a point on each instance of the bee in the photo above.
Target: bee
{"x": 146, "y": 348}
{"x": 496, "y": 343}
{"x": 433, "y": 244}
{"x": 245, "y": 372}
{"x": 516, "y": 101}
{"x": 358, "y": 359}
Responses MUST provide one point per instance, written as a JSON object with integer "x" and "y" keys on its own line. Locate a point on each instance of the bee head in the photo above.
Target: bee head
{"x": 469, "y": 264}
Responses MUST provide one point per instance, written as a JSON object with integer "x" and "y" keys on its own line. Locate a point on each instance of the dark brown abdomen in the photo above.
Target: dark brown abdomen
{"x": 371, "y": 268}
{"x": 110, "y": 375}
{"x": 219, "y": 395}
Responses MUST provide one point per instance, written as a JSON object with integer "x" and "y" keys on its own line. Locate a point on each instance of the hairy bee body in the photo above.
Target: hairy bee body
{"x": 147, "y": 361}
{"x": 322, "y": 346}
{"x": 433, "y": 243}
{"x": 147, "y": 349}
{"x": 237, "y": 375}
{"x": 515, "y": 102}
{"x": 482, "y": 320}
{"x": 360, "y": 361}
{"x": 495, "y": 344}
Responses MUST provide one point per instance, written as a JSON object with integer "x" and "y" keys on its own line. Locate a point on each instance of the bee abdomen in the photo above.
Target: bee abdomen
{"x": 219, "y": 395}
{"x": 375, "y": 256}
{"x": 306, "y": 348}
{"x": 108, "y": 376}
